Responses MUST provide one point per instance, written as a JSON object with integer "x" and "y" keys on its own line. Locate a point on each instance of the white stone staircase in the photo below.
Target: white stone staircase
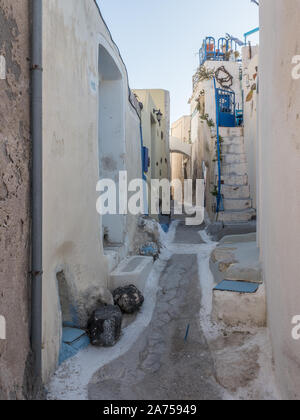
{"x": 235, "y": 189}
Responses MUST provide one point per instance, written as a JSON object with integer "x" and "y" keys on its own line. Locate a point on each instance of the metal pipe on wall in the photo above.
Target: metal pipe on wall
{"x": 37, "y": 185}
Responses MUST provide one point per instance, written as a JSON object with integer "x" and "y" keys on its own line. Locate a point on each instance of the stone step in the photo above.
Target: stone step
{"x": 236, "y": 204}
{"x": 236, "y": 216}
{"x": 234, "y": 169}
{"x": 239, "y": 295}
{"x": 231, "y": 131}
{"x": 235, "y": 309}
{"x": 235, "y": 180}
{"x": 237, "y": 258}
{"x": 229, "y": 158}
{"x": 233, "y": 148}
{"x": 236, "y": 191}
{"x": 234, "y": 140}
{"x": 131, "y": 271}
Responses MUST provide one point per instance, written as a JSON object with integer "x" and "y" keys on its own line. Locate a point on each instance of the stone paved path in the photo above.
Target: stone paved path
{"x": 162, "y": 365}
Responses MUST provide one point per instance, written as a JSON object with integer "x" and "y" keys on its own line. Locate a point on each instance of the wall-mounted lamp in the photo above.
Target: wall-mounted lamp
{"x": 159, "y": 115}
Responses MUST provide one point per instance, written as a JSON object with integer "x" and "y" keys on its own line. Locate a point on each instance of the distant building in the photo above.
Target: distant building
{"x": 217, "y": 134}
{"x": 155, "y": 113}
{"x": 180, "y": 161}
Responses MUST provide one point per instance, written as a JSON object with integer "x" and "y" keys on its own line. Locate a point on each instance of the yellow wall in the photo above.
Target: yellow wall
{"x": 156, "y": 136}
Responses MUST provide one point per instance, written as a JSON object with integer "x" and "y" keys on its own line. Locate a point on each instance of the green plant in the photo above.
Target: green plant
{"x": 221, "y": 141}
{"x": 210, "y": 122}
{"x": 215, "y": 191}
{"x": 202, "y": 74}
{"x": 205, "y": 74}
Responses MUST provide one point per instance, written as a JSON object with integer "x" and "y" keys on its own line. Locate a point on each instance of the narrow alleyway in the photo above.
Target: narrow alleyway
{"x": 171, "y": 350}
{"x": 171, "y": 360}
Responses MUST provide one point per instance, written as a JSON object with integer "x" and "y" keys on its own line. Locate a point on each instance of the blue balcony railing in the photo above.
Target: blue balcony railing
{"x": 218, "y": 50}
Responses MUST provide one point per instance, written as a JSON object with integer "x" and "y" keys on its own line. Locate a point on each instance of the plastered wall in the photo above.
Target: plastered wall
{"x": 72, "y": 162}
{"x": 15, "y": 241}
{"x": 279, "y": 182}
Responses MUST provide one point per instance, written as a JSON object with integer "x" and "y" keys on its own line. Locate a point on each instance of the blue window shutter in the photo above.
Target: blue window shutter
{"x": 145, "y": 159}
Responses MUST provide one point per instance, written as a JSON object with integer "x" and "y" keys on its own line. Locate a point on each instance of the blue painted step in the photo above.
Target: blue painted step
{"x": 237, "y": 286}
{"x": 73, "y": 340}
{"x": 165, "y": 227}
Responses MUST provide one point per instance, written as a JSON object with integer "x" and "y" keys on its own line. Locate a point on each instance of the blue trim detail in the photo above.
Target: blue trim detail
{"x": 144, "y": 178}
{"x": 145, "y": 159}
{"x": 73, "y": 341}
{"x": 226, "y": 108}
{"x": 213, "y": 50}
{"x": 247, "y": 34}
{"x": 219, "y": 197}
{"x": 237, "y": 286}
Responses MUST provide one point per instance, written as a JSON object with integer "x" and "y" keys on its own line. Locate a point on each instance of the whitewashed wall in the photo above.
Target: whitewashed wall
{"x": 73, "y": 32}
{"x": 250, "y": 78}
{"x": 279, "y": 180}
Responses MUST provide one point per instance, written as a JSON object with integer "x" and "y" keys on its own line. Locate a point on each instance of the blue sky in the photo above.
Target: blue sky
{"x": 159, "y": 39}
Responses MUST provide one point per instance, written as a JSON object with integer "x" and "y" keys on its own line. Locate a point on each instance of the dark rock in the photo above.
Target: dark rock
{"x": 104, "y": 326}
{"x": 129, "y": 299}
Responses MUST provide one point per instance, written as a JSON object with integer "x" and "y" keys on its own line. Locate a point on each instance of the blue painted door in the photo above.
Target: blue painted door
{"x": 226, "y": 106}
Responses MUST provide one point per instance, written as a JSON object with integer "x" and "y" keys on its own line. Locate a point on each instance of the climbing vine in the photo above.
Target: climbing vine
{"x": 221, "y": 141}
{"x": 215, "y": 191}
{"x": 203, "y": 74}
{"x": 210, "y": 121}
{"x": 227, "y": 80}
{"x": 223, "y": 77}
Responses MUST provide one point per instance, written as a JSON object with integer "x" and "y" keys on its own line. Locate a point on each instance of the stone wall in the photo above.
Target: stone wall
{"x": 14, "y": 197}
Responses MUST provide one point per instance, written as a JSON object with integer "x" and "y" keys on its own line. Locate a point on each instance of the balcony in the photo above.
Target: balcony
{"x": 218, "y": 50}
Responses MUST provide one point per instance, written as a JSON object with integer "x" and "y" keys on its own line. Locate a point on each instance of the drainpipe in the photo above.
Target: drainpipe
{"x": 37, "y": 187}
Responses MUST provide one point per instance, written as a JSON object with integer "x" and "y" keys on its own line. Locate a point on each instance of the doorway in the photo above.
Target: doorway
{"x": 111, "y": 138}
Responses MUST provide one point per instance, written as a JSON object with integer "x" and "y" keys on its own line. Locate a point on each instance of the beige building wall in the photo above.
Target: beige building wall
{"x": 156, "y": 136}
{"x": 182, "y": 129}
{"x": 90, "y": 130}
{"x": 203, "y": 155}
{"x": 250, "y": 79}
{"x": 15, "y": 146}
{"x": 279, "y": 181}
{"x": 161, "y": 99}
{"x": 180, "y": 164}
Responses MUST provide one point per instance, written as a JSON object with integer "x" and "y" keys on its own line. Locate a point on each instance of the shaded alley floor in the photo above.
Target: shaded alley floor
{"x": 171, "y": 360}
{"x": 171, "y": 350}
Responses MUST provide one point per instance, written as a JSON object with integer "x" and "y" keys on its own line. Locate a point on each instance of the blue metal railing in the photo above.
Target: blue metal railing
{"x": 220, "y": 206}
{"x": 213, "y": 50}
{"x": 247, "y": 34}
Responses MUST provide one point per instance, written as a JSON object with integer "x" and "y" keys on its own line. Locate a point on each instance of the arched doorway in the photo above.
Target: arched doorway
{"x": 111, "y": 137}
